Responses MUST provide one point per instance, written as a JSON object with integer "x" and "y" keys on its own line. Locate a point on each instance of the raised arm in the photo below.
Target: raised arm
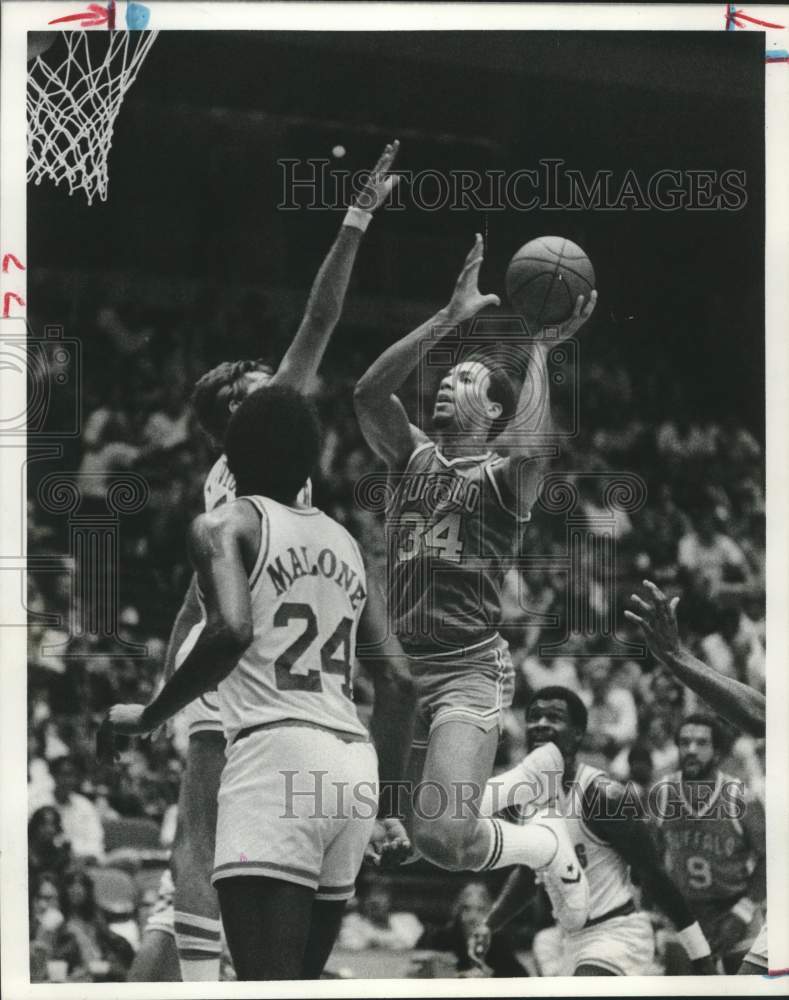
{"x": 382, "y": 417}
{"x": 524, "y": 469}
{"x": 324, "y": 306}
{"x": 735, "y": 701}
{"x": 216, "y": 550}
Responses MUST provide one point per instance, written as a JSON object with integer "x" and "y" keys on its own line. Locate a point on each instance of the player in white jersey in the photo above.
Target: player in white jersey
{"x": 610, "y": 834}
{"x": 284, "y": 591}
{"x": 737, "y": 702}
{"x": 218, "y": 393}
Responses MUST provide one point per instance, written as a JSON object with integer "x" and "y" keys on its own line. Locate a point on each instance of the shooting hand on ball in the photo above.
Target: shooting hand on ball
{"x": 581, "y": 313}
{"x": 467, "y": 300}
{"x": 380, "y": 182}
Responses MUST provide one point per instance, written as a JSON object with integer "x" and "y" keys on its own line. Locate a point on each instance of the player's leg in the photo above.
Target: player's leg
{"x": 156, "y": 960}
{"x": 354, "y": 768}
{"x": 467, "y": 699}
{"x": 197, "y": 922}
{"x": 267, "y": 923}
{"x": 324, "y": 928}
{"x": 458, "y": 763}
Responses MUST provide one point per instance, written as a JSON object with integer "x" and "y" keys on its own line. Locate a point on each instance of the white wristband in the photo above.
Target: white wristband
{"x": 693, "y": 941}
{"x": 357, "y": 218}
{"x": 744, "y": 909}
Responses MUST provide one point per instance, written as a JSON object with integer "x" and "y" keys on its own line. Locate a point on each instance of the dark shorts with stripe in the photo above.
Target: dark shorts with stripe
{"x": 473, "y": 685}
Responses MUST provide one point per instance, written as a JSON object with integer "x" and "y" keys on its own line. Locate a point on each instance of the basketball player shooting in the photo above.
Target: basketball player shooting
{"x": 284, "y": 593}
{"x": 453, "y": 524}
{"x": 196, "y": 926}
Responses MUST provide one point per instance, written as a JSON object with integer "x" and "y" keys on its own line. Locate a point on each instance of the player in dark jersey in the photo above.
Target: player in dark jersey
{"x": 713, "y": 838}
{"x": 611, "y": 836}
{"x": 453, "y": 523}
{"x": 656, "y": 616}
{"x": 217, "y": 395}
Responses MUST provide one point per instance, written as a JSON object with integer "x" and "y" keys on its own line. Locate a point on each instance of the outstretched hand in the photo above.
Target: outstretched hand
{"x": 657, "y": 621}
{"x": 380, "y": 182}
{"x": 467, "y": 300}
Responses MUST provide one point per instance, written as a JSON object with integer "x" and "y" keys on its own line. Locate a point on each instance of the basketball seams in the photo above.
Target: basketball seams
{"x": 559, "y": 263}
{"x": 553, "y": 260}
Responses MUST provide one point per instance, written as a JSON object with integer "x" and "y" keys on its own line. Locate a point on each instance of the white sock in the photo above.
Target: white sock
{"x": 532, "y": 845}
{"x": 198, "y": 940}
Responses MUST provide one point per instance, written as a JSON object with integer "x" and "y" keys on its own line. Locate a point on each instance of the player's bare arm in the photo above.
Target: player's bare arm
{"x": 609, "y": 814}
{"x": 324, "y": 305}
{"x": 219, "y": 546}
{"x": 657, "y": 619}
{"x": 515, "y": 895}
{"x": 525, "y": 466}
{"x": 188, "y": 616}
{"x": 382, "y": 417}
{"x": 392, "y": 721}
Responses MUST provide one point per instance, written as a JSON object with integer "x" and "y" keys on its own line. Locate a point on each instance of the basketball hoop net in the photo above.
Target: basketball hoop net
{"x": 71, "y": 110}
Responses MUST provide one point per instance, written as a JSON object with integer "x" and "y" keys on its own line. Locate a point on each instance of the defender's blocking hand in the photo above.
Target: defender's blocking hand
{"x": 380, "y": 182}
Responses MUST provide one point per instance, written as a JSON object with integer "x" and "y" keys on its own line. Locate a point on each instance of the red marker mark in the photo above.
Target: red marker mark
{"x": 90, "y": 18}
{"x": 735, "y": 16}
{"x": 7, "y": 302}
{"x": 10, "y": 257}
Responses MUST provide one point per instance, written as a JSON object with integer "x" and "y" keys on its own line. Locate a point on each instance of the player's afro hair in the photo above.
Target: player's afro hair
{"x": 576, "y": 708}
{"x": 217, "y": 389}
{"x": 272, "y": 443}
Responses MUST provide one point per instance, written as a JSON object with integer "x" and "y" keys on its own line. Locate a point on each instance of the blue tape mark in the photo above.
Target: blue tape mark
{"x": 137, "y": 16}
{"x": 730, "y": 25}
{"x": 777, "y": 55}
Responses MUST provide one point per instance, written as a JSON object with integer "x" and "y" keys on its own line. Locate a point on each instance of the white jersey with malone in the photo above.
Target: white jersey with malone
{"x": 308, "y": 589}
{"x": 202, "y": 715}
{"x": 607, "y": 872}
{"x": 220, "y": 487}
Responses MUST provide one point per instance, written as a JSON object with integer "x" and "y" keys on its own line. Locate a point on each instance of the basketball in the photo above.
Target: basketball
{"x": 544, "y": 279}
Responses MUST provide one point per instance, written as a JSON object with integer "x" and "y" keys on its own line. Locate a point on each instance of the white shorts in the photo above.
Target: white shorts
{"x": 758, "y": 951}
{"x": 625, "y": 946}
{"x": 162, "y": 916}
{"x": 298, "y": 804}
{"x": 202, "y": 715}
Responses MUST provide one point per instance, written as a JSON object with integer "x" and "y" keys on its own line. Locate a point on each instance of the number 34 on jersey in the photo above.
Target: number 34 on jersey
{"x": 414, "y": 535}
